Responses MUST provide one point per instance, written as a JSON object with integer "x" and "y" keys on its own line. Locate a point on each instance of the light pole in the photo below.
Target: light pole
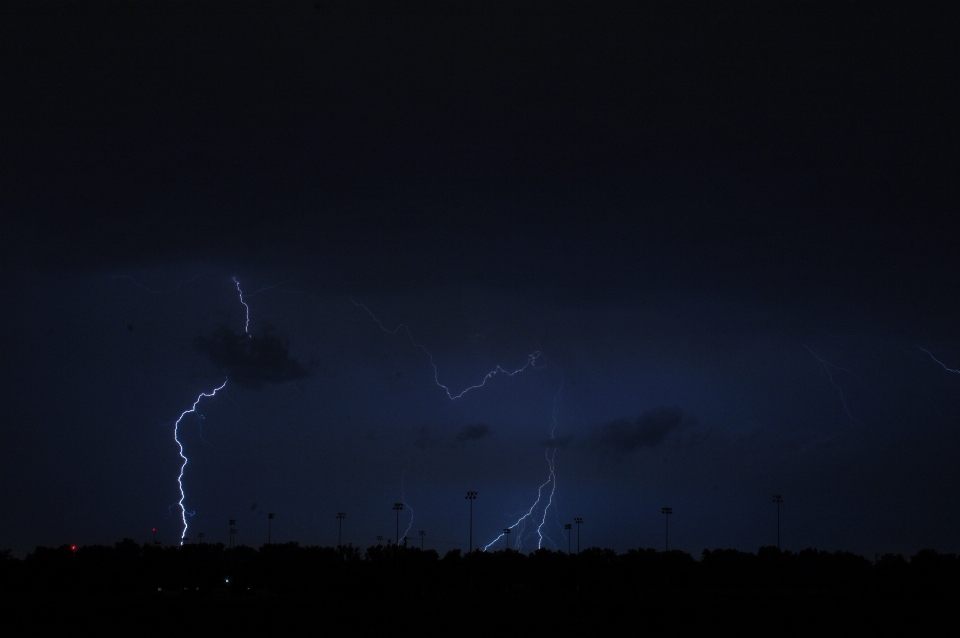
{"x": 471, "y": 495}
{"x": 233, "y": 531}
{"x": 270, "y": 528}
{"x": 379, "y": 539}
{"x": 422, "y": 534}
{"x": 340, "y": 516}
{"x": 154, "y": 535}
{"x": 200, "y": 536}
{"x": 579, "y": 522}
{"x": 506, "y": 535}
{"x": 666, "y": 511}
{"x": 568, "y": 527}
{"x": 396, "y": 508}
{"x": 778, "y": 499}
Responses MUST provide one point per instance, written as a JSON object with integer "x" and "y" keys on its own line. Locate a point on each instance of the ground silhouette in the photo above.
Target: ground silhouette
{"x": 163, "y": 590}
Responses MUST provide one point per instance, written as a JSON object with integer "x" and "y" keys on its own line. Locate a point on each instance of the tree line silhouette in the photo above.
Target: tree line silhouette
{"x": 197, "y": 570}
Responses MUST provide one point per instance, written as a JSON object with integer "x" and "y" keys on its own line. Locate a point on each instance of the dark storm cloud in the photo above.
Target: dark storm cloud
{"x": 472, "y": 432}
{"x": 425, "y": 438}
{"x": 830, "y": 133}
{"x": 650, "y": 429}
{"x": 251, "y": 360}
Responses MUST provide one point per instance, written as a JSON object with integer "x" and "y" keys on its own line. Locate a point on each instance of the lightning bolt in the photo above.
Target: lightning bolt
{"x": 246, "y": 326}
{"x": 522, "y": 521}
{"x": 532, "y": 358}
{"x": 403, "y": 499}
{"x": 183, "y": 467}
{"x": 551, "y": 451}
{"x": 827, "y": 366}
{"x": 550, "y": 455}
{"x": 193, "y": 410}
{"x": 943, "y": 365}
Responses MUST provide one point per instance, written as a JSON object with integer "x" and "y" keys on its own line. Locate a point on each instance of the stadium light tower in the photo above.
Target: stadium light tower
{"x": 396, "y": 508}
{"x": 422, "y": 534}
{"x": 471, "y": 495}
{"x": 270, "y": 528}
{"x": 579, "y": 522}
{"x": 778, "y": 499}
{"x": 340, "y": 517}
{"x": 666, "y": 511}
{"x": 379, "y": 539}
{"x": 200, "y": 536}
{"x": 233, "y": 531}
{"x": 568, "y": 527}
{"x": 506, "y": 535}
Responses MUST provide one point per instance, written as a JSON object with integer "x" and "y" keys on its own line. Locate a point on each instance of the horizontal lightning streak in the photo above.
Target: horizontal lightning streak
{"x": 531, "y": 358}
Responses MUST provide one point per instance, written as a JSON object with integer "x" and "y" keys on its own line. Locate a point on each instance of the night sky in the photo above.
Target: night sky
{"x": 730, "y": 232}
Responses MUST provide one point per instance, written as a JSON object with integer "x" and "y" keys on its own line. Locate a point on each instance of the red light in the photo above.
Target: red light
{"x": 154, "y": 529}
{"x": 73, "y": 548}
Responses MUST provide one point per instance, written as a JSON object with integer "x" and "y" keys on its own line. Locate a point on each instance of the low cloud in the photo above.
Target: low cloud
{"x": 251, "y": 360}
{"x": 650, "y": 429}
{"x": 425, "y": 438}
{"x": 472, "y": 432}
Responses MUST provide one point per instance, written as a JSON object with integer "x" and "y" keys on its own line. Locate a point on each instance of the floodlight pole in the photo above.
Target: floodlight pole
{"x": 567, "y": 527}
{"x": 233, "y": 531}
{"x": 506, "y": 535}
{"x": 422, "y": 534}
{"x": 397, "y": 507}
{"x": 666, "y": 511}
{"x": 471, "y": 495}
{"x": 579, "y": 522}
{"x": 340, "y": 516}
{"x": 778, "y": 499}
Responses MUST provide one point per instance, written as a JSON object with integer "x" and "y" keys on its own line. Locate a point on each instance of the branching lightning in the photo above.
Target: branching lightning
{"x": 522, "y": 521}
{"x": 532, "y": 358}
{"x": 193, "y": 409}
{"x": 183, "y": 466}
{"x": 550, "y": 452}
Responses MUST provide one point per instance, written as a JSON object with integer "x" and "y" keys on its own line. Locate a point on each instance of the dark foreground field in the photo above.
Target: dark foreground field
{"x": 278, "y": 590}
{"x": 715, "y": 613}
